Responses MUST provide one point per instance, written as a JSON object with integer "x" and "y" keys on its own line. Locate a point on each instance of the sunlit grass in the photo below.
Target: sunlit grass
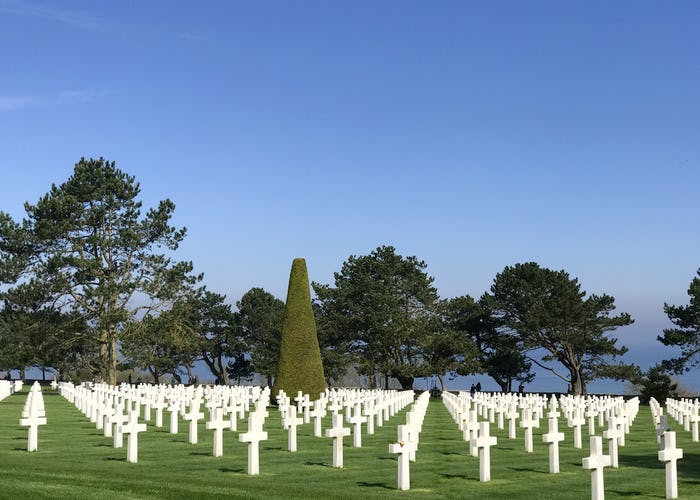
{"x": 75, "y": 460}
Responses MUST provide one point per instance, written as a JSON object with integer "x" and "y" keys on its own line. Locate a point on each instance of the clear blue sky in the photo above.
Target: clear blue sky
{"x": 473, "y": 135}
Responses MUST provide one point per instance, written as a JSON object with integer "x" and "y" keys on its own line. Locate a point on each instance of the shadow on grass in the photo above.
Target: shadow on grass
{"x": 103, "y": 445}
{"x": 688, "y": 466}
{"x": 226, "y": 469}
{"x": 365, "y": 484}
{"x": 528, "y": 469}
{"x": 317, "y": 464}
{"x": 631, "y": 493}
{"x": 457, "y": 476}
{"x": 200, "y": 454}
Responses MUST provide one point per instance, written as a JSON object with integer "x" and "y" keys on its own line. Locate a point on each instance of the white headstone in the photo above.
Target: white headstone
{"x": 193, "y": 416}
{"x": 553, "y": 438}
{"x": 483, "y": 444}
{"x": 217, "y": 424}
{"x": 253, "y": 437}
{"x": 401, "y": 448}
{"x": 337, "y": 432}
{"x": 132, "y": 428}
{"x": 670, "y": 455}
{"x": 596, "y": 462}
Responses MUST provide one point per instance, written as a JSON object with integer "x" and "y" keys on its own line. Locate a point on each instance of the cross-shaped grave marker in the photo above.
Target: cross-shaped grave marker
{"x": 318, "y": 413}
{"x": 357, "y": 420}
{"x": 337, "y": 432}
{"x": 118, "y": 419}
{"x": 193, "y": 416}
{"x": 527, "y": 422}
{"x": 253, "y": 437}
{"x": 612, "y": 435}
{"x": 512, "y": 415}
{"x": 290, "y": 422}
{"x": 552, "y": 438}
{"x": 483, "y": 444}
{"x": 174, "y": 409}
{"x": 32, "y": 421}
{"x": 401, "y": 448}
{"x": 576, "y": 423}
{"x": 670, "y": 455}
{"x": 132, "y": 428}
{"x": 596, "y": 462}
{"x": 217, "y": 424}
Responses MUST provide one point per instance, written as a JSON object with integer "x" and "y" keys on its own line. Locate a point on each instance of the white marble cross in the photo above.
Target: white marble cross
{"x": 290, "y": 422}
{"x": 318, "y": 413}
{"x": 306, "y": 405}
{"x": 159, "y": 406}
{"x": 357, "y": 420}
{"x": 401, "y": 448}
{"x": 512, "y": 415}
{"x": 132, "y": 428}
{"x": 194, "y": 415}
{"x": 612, "y": 435}
{"x": 174, "y": 409}
{"x": 253, "y": 437}
{"x": 596, "y": 462}
{"x": 576, "y": 422}
{"x": 483, "y": 444}
{"x": 527, "y": 422}
{"x": 553, "y": 438}
{"x": 591, "y": 414}
{"x": 33, "y": 421}
{"x": 217, "y": 424}
{"x": 117, "y": 420}
{"x": 337, "y": 432}
{"x": 670, "y": 455}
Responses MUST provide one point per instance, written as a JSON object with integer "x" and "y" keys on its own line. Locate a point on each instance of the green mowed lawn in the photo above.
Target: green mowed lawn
{"x": 75, "y": 460}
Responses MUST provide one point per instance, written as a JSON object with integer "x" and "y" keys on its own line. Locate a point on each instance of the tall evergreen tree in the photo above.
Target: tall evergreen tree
{"x": 87, "y": 246}
{"x": 548, "y": 310}
{"x": 686, "y": 334}
{"x": 300, "y": 367}
{"x": 259, "y": 320}
{"x": 384, "y": 305}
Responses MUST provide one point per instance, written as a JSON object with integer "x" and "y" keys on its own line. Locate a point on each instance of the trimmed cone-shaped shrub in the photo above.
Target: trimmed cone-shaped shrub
{"x": 299, "y": 367}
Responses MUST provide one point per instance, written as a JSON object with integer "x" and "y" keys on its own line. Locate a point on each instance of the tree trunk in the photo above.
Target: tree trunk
{"x": 574, "y": 383}
{"x": 112, "y": 375}
{"x": 503, "y": 384}
{"x": 405, "y": 381}
{"x": 441, "y": 378}
{"x": 224, "y": 379}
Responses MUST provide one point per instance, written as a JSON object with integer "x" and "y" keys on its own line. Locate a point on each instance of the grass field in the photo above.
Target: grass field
{"x": 76, "y": 461}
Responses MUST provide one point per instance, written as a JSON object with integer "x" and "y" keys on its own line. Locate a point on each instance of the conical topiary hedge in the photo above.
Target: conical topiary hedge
{"x": 299, "y": 367}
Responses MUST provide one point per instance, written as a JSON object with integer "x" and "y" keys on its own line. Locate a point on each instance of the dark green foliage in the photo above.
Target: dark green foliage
{"x": 656, "y": 383}
{"x": 383, "y": 309}
{"x": 86, "y": 246}
{"x": 497, "y": 352}
{"x": 687, "y": 334}
{"x": 213, "y": 325}
{"x": 259, "y": 321}
{"x": 160, "y": 343}
{"x": 548, "y": 310}
{"x": 239, "y": 368}
{"x": 299, "y": 367}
